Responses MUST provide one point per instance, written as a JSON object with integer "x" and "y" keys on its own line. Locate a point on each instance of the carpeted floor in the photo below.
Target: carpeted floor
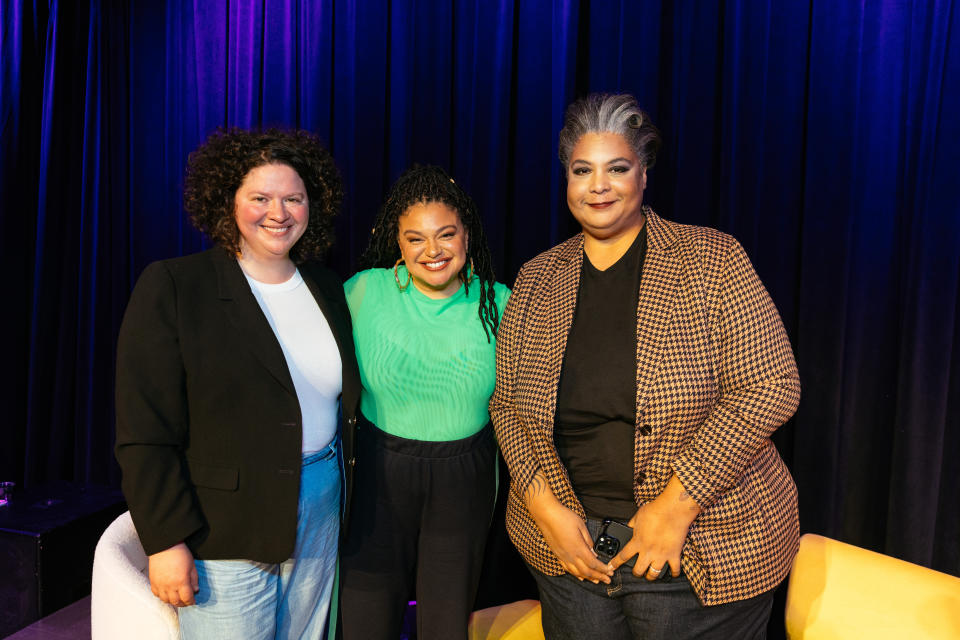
{"x": 70, "y": 623}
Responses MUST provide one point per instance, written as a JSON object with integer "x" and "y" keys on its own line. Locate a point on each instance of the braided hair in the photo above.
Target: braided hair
{"x": 423, "y": 184}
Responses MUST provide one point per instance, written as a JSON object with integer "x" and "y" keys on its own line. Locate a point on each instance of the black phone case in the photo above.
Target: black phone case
{"x": 613, "y": 536}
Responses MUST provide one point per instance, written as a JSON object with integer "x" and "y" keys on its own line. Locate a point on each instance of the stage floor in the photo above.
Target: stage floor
{"x": 70, "y": 623}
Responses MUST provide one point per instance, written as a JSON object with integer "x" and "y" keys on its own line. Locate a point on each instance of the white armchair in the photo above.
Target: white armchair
{"x": 121, "y": 603}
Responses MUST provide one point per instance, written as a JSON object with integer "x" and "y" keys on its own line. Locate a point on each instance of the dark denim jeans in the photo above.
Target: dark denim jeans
{"x": 631, "y": 608}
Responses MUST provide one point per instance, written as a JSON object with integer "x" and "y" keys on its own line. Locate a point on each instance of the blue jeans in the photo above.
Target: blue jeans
{"x": 631, "y": 608}
{"x": 263, "y": 601}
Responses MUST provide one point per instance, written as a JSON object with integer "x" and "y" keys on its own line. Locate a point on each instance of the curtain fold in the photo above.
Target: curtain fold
{"x": 822, "y": 135}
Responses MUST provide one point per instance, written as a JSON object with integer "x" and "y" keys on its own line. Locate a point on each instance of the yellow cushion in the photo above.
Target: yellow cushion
{"x": 515, "y": 621}
{"x": 839, "y": 591}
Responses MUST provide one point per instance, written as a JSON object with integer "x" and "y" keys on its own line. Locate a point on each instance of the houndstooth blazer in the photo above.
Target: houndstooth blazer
{"x": 715, "y": 377}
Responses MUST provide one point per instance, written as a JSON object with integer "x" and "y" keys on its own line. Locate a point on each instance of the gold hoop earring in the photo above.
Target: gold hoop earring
{"x": 469, "y": 277}
{"x": 396, "y": 276}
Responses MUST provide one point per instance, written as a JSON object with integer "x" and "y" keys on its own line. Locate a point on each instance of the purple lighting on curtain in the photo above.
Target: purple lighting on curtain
{"x": 820, "y": 134}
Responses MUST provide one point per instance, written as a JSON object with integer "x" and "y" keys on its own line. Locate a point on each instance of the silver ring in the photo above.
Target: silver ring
{"x": 656, "y": 571}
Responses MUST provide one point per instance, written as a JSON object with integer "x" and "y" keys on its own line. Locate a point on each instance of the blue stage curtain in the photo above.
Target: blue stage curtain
{"x": 822, "y": 134}
{"x": 64, "y": 184}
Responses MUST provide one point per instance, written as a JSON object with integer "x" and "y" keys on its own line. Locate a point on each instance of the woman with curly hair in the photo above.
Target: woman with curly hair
{"x": 425, "y": 316}
{"x": 237, "y": 388}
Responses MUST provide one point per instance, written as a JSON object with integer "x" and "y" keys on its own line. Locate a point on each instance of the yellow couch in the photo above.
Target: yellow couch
{"x": 839, "y": 591}
{"x": 515, "y": 621}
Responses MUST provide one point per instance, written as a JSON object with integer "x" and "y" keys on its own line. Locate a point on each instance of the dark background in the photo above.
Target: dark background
{"x": 823, "y": 134}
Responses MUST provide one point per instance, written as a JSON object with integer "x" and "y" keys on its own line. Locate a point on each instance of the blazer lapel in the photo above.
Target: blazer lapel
{"x": 244, "y": 312}
{"x": 657, "y": 299}
{"x": 341, "y": 330}
{"x": 322, "y": 298}
{"x": 562, "y": 300}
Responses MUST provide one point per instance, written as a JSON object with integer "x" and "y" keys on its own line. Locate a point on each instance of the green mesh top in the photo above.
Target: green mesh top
{"x": 426, "y": 367}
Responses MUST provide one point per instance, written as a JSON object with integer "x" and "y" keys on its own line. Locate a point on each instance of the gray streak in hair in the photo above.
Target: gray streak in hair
{"x": 609, "y": 113}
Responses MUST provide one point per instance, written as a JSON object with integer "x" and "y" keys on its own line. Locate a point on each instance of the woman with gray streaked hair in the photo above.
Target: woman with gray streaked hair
{"x": 641, "y": 369}
{"x": 610, "y": 113}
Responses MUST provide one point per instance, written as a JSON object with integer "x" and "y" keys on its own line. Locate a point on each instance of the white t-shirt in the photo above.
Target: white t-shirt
{"x": 310, "y": 351}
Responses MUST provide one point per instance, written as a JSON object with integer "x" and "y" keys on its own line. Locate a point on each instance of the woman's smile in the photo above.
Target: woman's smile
{"x": 605, "y": 183}
{"x": 433, "y": 244}
{"x": 601, "y": 205}
{"x": 439, "y": 265}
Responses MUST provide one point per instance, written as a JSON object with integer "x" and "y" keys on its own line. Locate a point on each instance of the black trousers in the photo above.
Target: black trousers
{"x": 418, "y": 525}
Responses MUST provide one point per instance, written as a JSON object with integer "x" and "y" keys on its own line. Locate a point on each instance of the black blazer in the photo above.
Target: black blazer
{"x": 208, "y": 422}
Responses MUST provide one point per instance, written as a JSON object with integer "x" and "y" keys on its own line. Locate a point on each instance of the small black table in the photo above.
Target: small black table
{"x": 48, "y": 534}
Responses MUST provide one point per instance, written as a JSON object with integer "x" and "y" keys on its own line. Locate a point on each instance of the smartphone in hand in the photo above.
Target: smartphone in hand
{"x": 612, "y": 537}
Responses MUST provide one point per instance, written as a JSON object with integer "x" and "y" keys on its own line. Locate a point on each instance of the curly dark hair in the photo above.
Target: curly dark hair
{"x": 423, "y": 184}
{"x": 217, "y": 168}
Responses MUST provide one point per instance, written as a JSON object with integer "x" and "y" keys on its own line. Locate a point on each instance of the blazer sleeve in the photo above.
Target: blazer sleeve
{"x": 152, "y": 415}
{"x": 513, "y": 434}
{"x": 757, "y": 381}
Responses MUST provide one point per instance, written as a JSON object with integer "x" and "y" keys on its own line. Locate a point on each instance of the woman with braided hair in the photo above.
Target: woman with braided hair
{"x": 425, "y": 314}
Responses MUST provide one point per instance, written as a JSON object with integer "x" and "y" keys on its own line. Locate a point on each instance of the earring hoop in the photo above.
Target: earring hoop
{"x": 469, "y": 277}
{"x": 396, "y": 276}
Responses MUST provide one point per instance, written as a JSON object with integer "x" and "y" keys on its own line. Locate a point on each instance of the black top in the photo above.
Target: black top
{"x": 597, "y": 400}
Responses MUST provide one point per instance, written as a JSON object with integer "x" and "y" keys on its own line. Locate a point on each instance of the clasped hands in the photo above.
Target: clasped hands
{"x": 659, "y": 531}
